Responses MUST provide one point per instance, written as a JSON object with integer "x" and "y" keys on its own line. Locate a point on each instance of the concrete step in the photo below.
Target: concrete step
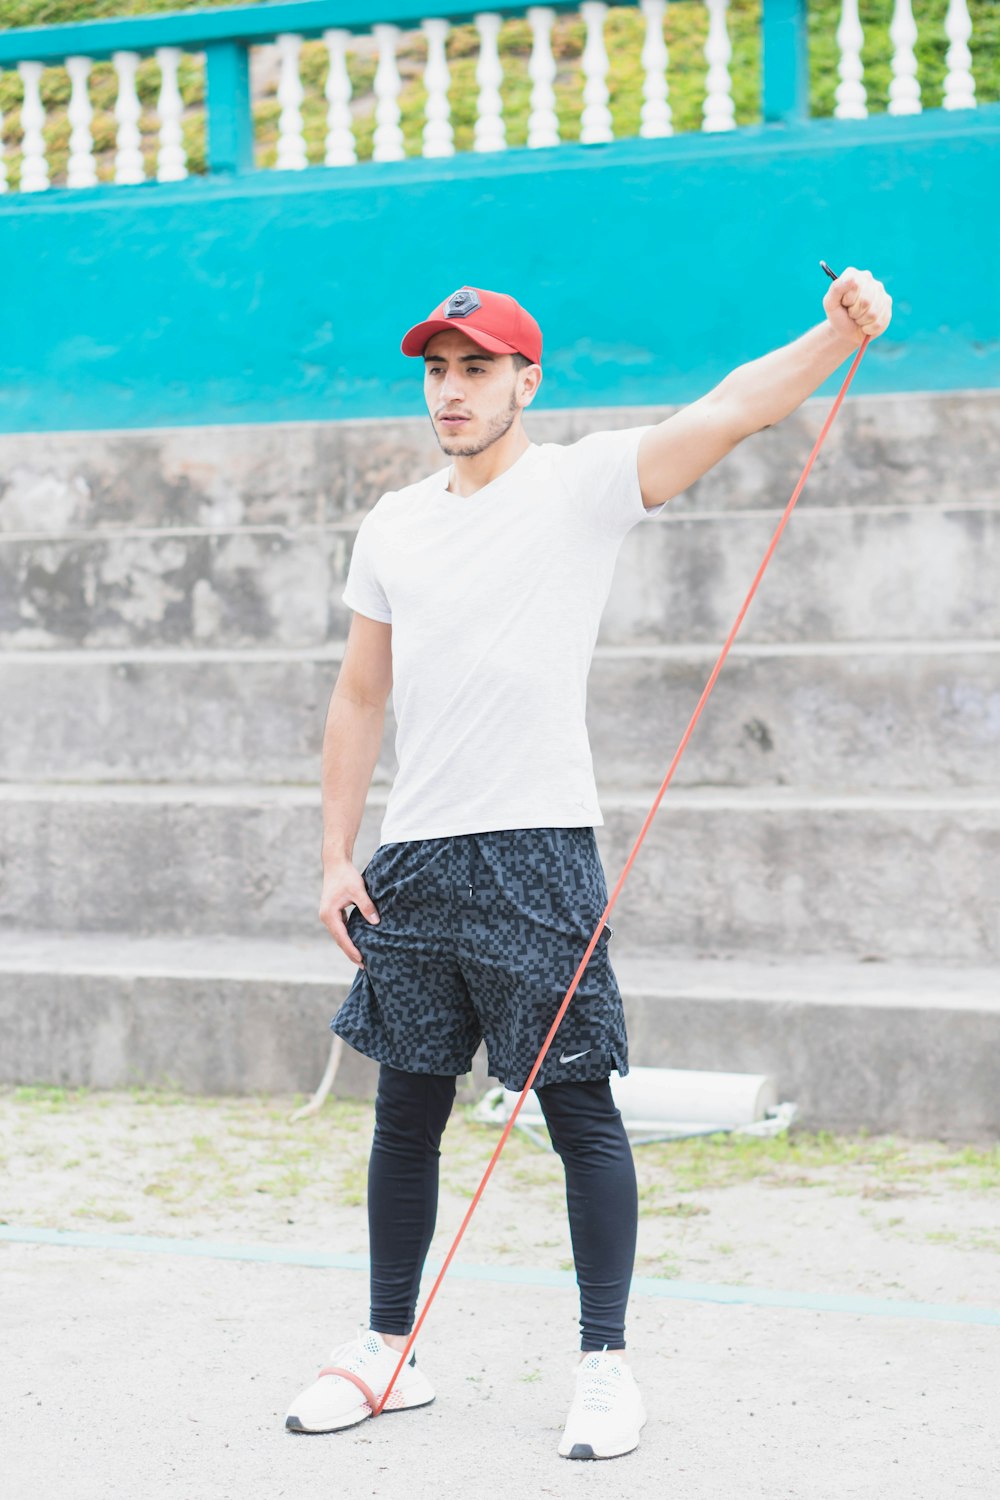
{"x": 913, "y": 449}
{"x": 720, "y": 873}
{"x": 839, "y": 575}
{"x": 898, "y": 1048}
{"x": 180, "y": 588}
{"x": 870, "y": 716}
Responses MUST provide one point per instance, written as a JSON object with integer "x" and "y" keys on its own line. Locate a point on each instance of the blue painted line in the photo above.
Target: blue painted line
{"x": 642, "y": 1286}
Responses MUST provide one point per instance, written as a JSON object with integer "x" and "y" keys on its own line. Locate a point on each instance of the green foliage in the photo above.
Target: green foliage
{"x": 59, "y": 12}
{"x": 876, "y": 53}
{"x": 685, "y": 33}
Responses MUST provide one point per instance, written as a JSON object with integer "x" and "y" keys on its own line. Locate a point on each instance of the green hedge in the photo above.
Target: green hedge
{"x": 685, "y": 32}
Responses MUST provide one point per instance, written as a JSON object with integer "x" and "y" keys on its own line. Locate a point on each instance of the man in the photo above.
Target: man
{"x": 477, "y": 595}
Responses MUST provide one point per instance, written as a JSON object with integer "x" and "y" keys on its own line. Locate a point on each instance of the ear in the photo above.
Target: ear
{"x": 531, "y": 379}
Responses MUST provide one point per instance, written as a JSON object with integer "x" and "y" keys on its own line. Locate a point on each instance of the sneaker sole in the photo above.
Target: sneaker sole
{"x": 292, "y": 1423}
{"x": 584, "y": 1450}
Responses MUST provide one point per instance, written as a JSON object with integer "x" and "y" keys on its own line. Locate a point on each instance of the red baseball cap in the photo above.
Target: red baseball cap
{"x": 493, "y": 320}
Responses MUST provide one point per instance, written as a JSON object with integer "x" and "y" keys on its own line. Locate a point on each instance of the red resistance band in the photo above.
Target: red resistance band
{"x": 621, "y": 879}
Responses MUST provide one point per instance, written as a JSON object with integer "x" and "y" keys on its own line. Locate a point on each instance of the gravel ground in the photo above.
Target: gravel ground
{"x": 810, "y": 1212}
{"x": 156, "y": 1375}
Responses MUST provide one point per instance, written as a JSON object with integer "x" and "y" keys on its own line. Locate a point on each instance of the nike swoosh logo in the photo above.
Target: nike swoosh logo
{"x": 573, "y": 1056}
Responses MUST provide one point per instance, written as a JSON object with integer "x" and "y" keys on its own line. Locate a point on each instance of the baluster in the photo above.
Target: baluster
{"x": 959, "y": 84}
{"x": 850, "y": 93}
{"x": 595, "y": 122}
{"x": 490, "y": 134}
{"x": 904, "y": 90}
{"x": 388, "y": 139}
{"x": 656, "y": 116}
{"x": 438, "y": 135}
{"x": 291, "y": 141}
{"x": 81, "y": 170}
{"x": 543, "y": 123}
{"x": 340, "y": 150}
{"x": 718, "y": 110}
{"x": 129, "y": 165}
{"x": 171, "y": 158}
{"x": 34, "y": 167}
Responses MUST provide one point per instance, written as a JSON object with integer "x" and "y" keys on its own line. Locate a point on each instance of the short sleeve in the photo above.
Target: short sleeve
{"x": 362, "y": 590}
{"x": 602, "y": 472}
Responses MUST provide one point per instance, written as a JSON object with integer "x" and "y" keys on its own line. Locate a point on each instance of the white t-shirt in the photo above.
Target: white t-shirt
{"x": 495, "y": 600}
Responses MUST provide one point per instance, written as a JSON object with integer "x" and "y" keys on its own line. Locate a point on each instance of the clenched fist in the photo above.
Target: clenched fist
{"x": 856, "y": 304}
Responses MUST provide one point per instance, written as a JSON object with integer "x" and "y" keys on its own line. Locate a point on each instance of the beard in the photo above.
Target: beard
{"x": 498, "y": 424}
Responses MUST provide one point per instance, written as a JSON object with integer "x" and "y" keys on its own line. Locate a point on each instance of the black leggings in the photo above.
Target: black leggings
{"x": 411, "y": 1111}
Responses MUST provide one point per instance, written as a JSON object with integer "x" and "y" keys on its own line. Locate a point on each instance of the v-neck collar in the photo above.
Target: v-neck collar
{"x": 444, "y": 475}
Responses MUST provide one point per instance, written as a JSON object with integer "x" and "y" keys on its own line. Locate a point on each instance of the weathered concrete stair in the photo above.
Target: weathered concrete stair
{"x": 722, "y": 871}
{"x": 915, "y": 574}
{"x": 170, "y": 630}
{"x": 875, "y": 715}
{"x": 885, "y": 1047}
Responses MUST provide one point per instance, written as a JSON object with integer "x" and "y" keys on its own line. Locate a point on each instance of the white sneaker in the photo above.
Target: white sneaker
{"x": 352, "y": 1381}
{"x": 607, "y": 1411}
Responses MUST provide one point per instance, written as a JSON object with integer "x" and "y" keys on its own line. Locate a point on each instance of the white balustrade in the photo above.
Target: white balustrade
{"x": 904, "y": 90}
{"x": 595, "y": 122}
{"x": 81, "y": 169}
{"x": 438, "y": 138}
{"x": 490, "y": 133}
{"x": 129, "y": 165}
{"x": 959, "y": 85}
{"x": 291, "y": 141}
{"x": 656, "y": 116}
{"x": 340, "y": 149}
{"x": 171, "y": 159}
{"x": 850, "y": 92}
{"x": 719, "y": 112}
{"x": 34, "y": 167}
{"x": 543, "y": 122}
{"x": 388, "y": 139}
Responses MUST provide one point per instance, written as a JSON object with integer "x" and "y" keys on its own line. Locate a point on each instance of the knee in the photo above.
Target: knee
{"x": 411, "y": 1111}
{"x": 584, "y": 1123}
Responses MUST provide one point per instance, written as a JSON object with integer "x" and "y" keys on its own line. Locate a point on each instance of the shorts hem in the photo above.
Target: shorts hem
{"x": 610, "y": 1063}
{"x": 381, "y": 1054}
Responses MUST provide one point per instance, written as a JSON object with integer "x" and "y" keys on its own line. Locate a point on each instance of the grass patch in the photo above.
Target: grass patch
{"x": 353, "y": 1186}
{"x": 796, "y": 1159}
{"x": 665, "y": 1265}
{"x": 99, "y": 1154}
{"x": 49, "y": 1097}
{"x": 105, "y": 1215}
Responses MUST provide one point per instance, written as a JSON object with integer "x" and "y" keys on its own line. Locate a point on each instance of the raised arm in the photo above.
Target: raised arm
{"x": 676, "y": 452}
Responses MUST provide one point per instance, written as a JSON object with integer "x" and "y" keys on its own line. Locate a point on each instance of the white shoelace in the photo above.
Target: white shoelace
{"x": 356, "y": 1353}
{"x": 601, "y": 1386}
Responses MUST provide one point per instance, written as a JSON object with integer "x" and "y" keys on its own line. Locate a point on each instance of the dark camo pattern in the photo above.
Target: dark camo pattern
{"x": 480, "y": 935}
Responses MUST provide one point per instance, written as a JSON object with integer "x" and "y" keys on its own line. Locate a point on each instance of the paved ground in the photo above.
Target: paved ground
{"x": 168, "y": 1375}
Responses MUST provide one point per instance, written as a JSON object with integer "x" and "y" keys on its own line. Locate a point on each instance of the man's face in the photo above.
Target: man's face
{"x": 473, "y": 396}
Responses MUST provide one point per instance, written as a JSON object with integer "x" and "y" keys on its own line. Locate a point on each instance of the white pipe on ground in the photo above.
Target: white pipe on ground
{"x": 677, "y": 1099}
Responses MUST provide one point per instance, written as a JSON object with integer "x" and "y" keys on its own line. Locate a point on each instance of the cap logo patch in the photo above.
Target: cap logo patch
{"x": 462, "y": 303}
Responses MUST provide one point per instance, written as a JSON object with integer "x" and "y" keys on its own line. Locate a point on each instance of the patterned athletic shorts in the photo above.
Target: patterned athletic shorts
{"x": 479, "y": 936}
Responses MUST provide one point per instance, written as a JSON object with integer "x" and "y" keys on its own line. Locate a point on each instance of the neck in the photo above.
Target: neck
{"x": 470, "y": 473}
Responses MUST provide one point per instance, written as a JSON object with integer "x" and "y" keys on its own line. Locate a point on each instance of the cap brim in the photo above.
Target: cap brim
{"x": 416, "y": 338}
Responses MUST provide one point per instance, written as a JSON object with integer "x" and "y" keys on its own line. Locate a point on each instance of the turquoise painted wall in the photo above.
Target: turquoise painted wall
{"x": 653, "y": 267}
